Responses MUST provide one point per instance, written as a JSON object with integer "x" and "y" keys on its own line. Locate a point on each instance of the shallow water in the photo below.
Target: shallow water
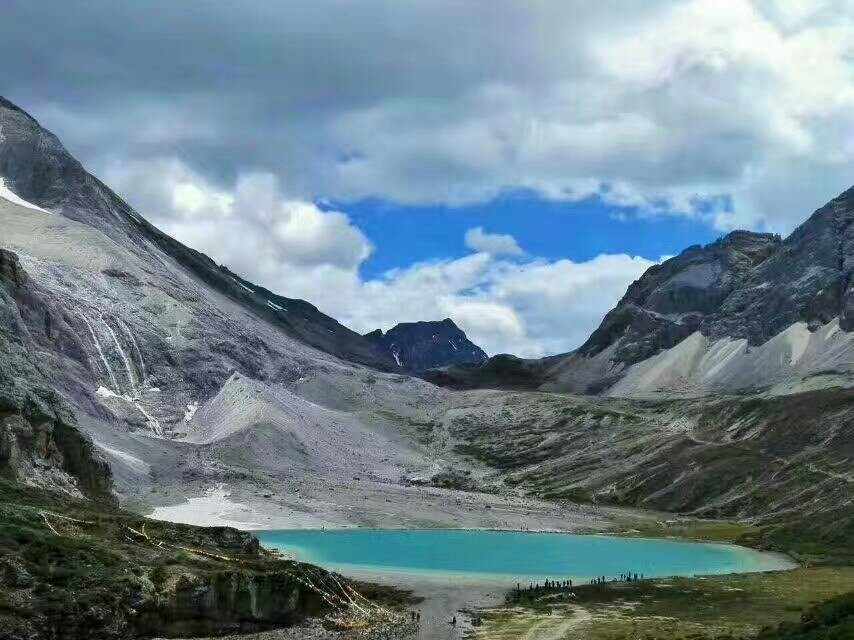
{"x": 512, "y": 555}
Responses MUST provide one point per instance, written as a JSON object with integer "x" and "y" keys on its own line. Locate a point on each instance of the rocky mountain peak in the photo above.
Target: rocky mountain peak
{"x": 418, "y": 346}
{"x": 674, "y": 299}
{"x": 37, "y": 168}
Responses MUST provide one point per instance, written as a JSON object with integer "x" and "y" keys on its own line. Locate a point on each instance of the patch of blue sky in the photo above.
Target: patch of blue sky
{"x": 544, "y": 228}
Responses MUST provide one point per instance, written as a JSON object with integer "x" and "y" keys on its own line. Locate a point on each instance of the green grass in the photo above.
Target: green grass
{"x": 738, "y": 606}
{"x": 691, "y": 529}
{"x": 831, "y": 620}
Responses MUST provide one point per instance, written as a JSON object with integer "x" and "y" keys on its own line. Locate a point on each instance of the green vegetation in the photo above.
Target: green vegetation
{"x": 831, "y": 620}
{"x": 706, "y": 608}
{"x": 691, "y": 529}
{"x": 74, "y": 568}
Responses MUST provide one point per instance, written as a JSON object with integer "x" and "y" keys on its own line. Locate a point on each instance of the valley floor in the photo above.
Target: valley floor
{"x": 702, "y": 608}
{"x": 676, "y": 607}
{"x": 318, "y": 502}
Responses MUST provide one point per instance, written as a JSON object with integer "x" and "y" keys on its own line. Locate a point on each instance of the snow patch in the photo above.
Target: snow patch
{"x": 214, "y": 509}
{"x": 107, "y": 393}
{"x": 191, "y": 411}
{"x": 273, "y": 305}
{"x": 11, "y": 196}
{"x": 245, "y": 287}
{"x": 396, "y": 358}
{"x": 451, "y": 342}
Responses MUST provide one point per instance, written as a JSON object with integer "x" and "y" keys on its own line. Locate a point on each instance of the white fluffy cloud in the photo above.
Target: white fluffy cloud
{"x": 252, "y": 228}
{"x": 526, "y": 306}
{"x": 494, "y": 243}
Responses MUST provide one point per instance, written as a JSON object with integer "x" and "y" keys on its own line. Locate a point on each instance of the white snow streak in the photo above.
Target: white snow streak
{"x": 101, "y": 353}
{"x": 273, "y": 305}
{"x": 123, "y": 355}
{"x": 191, "y": 411}
{"x": 136, "y": 348}
{"x": 131, "y": 461}
{"x": 8, "y": 194}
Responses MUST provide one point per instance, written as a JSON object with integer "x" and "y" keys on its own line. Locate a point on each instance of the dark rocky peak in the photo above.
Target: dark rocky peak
{"x": 6, "y": 104}
{"x": 37, "y": 167}
{"x": 418, "y": 346}
{"x": 744, "y": 285}
{"x": 671, "y": 300}
{"x": 12, "y": 275}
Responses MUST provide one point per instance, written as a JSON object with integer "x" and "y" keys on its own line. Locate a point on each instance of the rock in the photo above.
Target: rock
{"x": 746, "y": 286}
{"x": 418, "y": 346}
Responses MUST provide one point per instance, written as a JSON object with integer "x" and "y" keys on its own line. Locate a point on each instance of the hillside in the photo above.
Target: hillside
{"x": 750, "y": 312}
{"x": 215, "y": 401}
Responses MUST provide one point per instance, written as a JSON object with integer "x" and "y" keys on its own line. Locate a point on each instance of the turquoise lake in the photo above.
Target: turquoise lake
{"x": 510, "y": 554}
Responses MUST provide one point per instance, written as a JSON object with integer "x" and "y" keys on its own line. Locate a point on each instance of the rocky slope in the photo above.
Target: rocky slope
{"x": 72, "y": 564}
{"x": 73, "y": 568}
{"x": 781, "y": 462}
{"x": 177, "y": 368}
{"x": 37, "y": 169}
{"x": 418, "y": 346}
{"x": 214, "y": 400}
{"x": 749, "y": 312}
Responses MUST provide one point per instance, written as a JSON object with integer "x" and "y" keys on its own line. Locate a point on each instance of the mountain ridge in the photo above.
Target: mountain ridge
{"x": 749, "y": 297}
{"x": 40, "y": 170}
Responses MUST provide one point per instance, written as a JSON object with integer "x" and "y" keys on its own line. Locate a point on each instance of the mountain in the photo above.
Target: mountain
{"x": 37, "y": 169}
{"x": 418, "y": 346}
{"x": 187, "y": 377}
{"x": 134, "y": 577}
{"x": 749, "y": 312}
{"x": 719, "y": 385}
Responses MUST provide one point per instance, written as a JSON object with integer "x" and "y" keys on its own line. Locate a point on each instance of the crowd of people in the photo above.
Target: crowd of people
{"x": 551, "y": 585}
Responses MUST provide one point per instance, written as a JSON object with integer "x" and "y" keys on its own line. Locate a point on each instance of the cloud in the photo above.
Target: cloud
{"x": 522, "y": 305}
{"x": 252, "y": 228}
{"x": 660, "y": 104}
{"x": 527, "y": 306}
{"x": 495, "y": 243}
{"x": 532, "y": 308}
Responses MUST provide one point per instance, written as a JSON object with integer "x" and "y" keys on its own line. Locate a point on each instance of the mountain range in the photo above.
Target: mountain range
{"x": 136, "y": 367}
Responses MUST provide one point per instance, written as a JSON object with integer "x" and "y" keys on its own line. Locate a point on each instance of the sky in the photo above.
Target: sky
{"x": 513, "y": 165}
